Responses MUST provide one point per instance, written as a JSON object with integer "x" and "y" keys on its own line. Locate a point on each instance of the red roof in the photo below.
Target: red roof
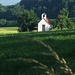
{"x": 47, "y": 20}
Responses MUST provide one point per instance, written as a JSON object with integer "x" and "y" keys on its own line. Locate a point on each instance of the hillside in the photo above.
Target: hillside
{"x": 51, "y": 7}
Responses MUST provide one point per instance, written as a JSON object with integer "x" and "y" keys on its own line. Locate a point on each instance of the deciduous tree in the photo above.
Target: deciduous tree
{"x": 27, "y": 20}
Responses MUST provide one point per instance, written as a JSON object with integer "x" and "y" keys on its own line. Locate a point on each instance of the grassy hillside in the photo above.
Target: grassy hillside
{"x": 15, "y": 49}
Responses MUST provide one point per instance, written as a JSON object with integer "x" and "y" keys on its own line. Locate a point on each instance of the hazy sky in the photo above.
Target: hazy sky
{"x": 9, "y": 2}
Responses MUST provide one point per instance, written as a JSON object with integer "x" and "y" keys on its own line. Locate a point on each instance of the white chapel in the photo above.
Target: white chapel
{"x": 44, "y": 24}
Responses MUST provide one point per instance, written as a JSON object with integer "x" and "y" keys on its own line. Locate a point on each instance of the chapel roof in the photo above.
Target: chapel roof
{"x": 47, "y": 20}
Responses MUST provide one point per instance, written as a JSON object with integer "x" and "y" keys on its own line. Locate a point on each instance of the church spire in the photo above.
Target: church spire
{"x": 44, "y": 16}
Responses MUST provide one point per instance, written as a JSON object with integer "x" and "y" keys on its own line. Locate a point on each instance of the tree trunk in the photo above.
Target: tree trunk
{"x": 61, "y": 26}
{"x": 27, "y": 29}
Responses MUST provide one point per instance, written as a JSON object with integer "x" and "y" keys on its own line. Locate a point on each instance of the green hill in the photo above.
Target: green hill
{"x": 51, "y": 7}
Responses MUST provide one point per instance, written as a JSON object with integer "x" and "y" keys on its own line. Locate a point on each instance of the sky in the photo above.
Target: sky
{"x": 9, "y": 2}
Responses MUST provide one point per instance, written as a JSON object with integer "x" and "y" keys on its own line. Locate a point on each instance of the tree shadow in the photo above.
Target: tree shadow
{"x": 50, "y": 33}
{"x": 18, "y": 66}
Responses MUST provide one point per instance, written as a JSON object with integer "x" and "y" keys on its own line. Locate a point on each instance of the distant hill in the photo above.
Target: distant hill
{"x": 51, "y": 7}
{"x": 10, "y": 12}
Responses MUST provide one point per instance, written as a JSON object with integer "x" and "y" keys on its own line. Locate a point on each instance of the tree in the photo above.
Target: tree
{"x": 52, "y": 7}
{"x": 2, "y": 22}
{"x": 27, "y": 20}
{"x": 63, "y": 20}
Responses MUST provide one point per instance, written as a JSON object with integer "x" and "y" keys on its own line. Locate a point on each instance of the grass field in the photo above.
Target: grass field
{"x": 5, "y": 30}
{"x": 14, "y": 48}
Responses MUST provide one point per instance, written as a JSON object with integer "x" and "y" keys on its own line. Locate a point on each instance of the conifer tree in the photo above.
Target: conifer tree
{"x": 63, "y": 19}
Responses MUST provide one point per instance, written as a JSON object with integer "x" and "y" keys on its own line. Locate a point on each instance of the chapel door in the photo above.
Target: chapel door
{"x": 43, "y": 27}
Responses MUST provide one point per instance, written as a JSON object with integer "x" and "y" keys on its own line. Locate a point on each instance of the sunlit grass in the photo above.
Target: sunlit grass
{"x": 6, "y": 30}
{"x": 14, "y": 46}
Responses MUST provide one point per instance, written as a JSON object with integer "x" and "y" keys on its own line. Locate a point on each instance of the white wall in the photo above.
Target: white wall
{"x": 43, "y": 22}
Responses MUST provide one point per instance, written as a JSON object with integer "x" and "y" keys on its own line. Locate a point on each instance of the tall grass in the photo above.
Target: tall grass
{"x": 13, "y": 46}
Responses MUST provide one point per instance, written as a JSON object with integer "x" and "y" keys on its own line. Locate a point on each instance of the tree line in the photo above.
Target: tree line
{"x": 63, "y": 11}
{"x": 9, "y": 14}
{"x": 51, "y": 7}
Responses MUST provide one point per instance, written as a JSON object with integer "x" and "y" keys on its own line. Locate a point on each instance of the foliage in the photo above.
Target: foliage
{"x": 10, "y": 12}
{"x": 51, "y": 7}
{"x": 27, "y": 20}
{"x": 2, "y": 22}
{"x": 63, "y": 20}
{"x": 39, "y": 6}
{"x": 7, "y": 23}
{"x": 11, "y": 23}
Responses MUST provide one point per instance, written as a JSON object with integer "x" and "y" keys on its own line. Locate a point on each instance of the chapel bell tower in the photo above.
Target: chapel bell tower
{"x": 44, "y": 16}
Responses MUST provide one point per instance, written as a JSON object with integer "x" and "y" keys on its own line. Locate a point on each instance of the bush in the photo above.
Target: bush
{"x": 7, "y": 23}
{"x": 3, "y": 22}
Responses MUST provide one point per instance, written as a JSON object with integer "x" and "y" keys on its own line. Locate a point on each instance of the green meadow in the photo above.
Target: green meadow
{"x": 17, "y": 52}
{"x": 5, "y": 30}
